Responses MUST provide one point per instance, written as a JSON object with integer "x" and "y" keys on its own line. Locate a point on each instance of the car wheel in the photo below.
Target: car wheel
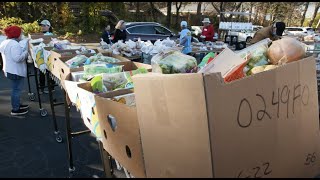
{"x": 248, "y": 39}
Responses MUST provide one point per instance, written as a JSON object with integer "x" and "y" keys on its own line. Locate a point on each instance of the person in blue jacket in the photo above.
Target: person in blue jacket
{"x": 185, "y": 38}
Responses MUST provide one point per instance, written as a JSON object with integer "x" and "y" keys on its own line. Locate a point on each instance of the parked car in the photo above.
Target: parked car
{"x": 255, "y": 28}
{"x": 298, "y": 31}
{"x": 243, "y": 35}
{"x": 150, "y": 31}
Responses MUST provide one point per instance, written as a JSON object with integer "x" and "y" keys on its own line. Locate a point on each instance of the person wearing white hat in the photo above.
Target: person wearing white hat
{"x": 46, "y": 30}
{"x": 46, "y": 27}
{"x": 185, "y": 38}
{"x": 207, "y": 30}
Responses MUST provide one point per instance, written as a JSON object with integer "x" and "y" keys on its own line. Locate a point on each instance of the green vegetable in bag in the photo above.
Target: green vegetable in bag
{"x": 115, "y": 81}
{"x": 173, "y": 62}
{"x": 97, "y": 84}
{"x": 94, "y": 69}
{"x": 205, "y": 59}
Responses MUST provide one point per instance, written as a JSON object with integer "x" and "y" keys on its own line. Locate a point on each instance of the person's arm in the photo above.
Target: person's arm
{"x": 124, "y": 35}
{"x": 105, "y": 37}
{"x": 18, "y": 54}
{"x": 183, "y": 40}
{"x": 116, "y": 36}
{"x": 211, "y": 33}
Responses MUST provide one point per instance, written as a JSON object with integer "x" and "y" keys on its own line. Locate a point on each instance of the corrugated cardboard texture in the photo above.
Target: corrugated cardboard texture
{"x": 46, "y": 38}
{"x": 124, "y": 143}
{"x": 173, "y": 125}
{"x": 265, "y": 125}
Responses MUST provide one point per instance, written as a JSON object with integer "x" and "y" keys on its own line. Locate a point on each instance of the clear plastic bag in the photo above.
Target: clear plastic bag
{"x": 171, "y": 62}
{"x": 110, "y": 82}
{"x": 76, "y": 61}
{"x": 93, "y": 69}
{"x": 256, "y": 55}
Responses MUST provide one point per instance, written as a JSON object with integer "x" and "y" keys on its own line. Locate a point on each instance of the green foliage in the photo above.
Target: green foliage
{"x": 31, "y": 27}
{"x": 5, "y": 22}
{"x": 315, "y": 22}
{"x": 27, "y": 27}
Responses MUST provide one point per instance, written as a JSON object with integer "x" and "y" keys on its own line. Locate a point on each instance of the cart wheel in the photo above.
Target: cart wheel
{"x": 43, "y": 112}
{"x": 32, "y": 97}
{"x": 59, "y": 139}
{"x": 71, "y": 170}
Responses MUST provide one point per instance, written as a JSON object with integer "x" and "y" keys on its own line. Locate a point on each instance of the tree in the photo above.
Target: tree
{"x": 138, "y": 10}
{"x": 154, "y": 18}
{"x": 169, "y": 14}
{"x": 178, "y": 6}
{"x": 317, "y": 6}
{"x": 304, "y": 13}
{"x": 250, "y": 11}
{"x": 226, "y": 6}
{"x": 199, "y": 14}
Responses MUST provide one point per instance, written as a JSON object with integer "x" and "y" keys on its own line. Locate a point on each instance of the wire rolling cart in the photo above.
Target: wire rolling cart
{"x": 43, "y": 112}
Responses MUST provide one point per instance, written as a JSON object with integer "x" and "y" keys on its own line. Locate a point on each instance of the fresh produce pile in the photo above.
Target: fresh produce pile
{"x": 131, "y": 48}
{"x": 256, "y": 58}
{"x": 81, "y": 60}
{"x": 93, "y": 69}
{"x": 113, "y": 81}
{"x": 171, "y": 62}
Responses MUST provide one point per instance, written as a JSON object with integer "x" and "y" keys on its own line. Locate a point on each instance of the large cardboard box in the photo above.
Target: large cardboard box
{"x": 124, "y": 143}
{"x": 120, "y": 132}
{"x": 72, "y": 87}
{"x": 55, "y": 55}
{"x": 264, "y": 125}
{"x": 62, "y": 71}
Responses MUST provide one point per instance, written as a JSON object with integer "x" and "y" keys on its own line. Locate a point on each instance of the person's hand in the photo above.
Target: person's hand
{"x": 202, "y": 36}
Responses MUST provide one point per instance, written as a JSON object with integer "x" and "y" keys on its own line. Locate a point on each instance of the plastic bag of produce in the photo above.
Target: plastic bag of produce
{"x": 121, "y": 80}
{"x": 157, "y": 43}
{"x": 76, "y": 61}
{"x": 97, "y": 85}
{"x": 100, "y": 58}
{"x": 205, "y": 60}
{"x": 256, "y": 55}
{"x": 131, "y": 44}
{"x": 168, "y": 42}
{"x": 91, "y": 70}
{"x": 127, "y": 99}
{"x": 110, "y": 82}
{"x": 171, "y": 62}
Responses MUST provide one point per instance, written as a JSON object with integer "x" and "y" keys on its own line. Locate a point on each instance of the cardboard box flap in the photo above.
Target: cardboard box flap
{"x": 254, "y": 121}
{"x": 224, "y": 63}
{"x": 171, "y": 107}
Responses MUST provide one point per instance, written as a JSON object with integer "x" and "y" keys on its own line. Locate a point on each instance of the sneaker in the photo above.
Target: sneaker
{"x": 19, "y": 112}
{"x": 24, "y": 106}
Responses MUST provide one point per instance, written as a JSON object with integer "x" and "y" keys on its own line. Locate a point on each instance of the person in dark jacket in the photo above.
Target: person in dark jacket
{"x": 106, "y": 35}
{"x": 273, "y": 32}
{"x": 120, "y": 33}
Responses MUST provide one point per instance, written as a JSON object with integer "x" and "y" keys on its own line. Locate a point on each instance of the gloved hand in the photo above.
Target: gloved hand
{"x": 202, "y": 36}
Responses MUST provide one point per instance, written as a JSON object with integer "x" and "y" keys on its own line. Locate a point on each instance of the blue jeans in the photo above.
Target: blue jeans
{"x": 17, "y": 83}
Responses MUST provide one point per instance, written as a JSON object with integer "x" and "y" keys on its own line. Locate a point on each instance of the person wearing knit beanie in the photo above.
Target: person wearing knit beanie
{"x": 13, "y": 32}
{"x": 15, "y": 67}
